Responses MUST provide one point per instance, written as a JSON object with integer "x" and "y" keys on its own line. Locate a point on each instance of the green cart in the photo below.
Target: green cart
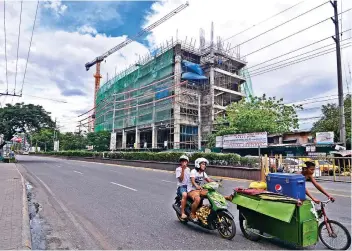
{"x": 282, "y": 217}
{"x": 294, "y": 224}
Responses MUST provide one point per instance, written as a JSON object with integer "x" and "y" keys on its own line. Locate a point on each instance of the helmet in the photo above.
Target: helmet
{"x": 200, "y": 160}
{"x": 184, "y": 157}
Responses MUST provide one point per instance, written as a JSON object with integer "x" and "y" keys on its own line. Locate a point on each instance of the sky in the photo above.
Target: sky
{"x": 68, "y": 34}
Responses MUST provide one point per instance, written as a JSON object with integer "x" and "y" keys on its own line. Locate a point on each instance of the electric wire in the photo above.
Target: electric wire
{"x": 295, "y": 50}
{"x": 29, "y": 49}
{"x": 292, "y": 63}
{"x": 307, "y": 28}
{"x": 286, "y": 22}
{"x": 7, "y": 80}
{"x": 261, "y": 22}
{"x": 18, "y": 46}
{"x": 261, "y": 68}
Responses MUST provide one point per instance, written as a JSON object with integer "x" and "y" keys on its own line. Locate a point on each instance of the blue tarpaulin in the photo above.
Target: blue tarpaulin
{"x": 192, "y": 76}
{"x": 192, "y": 71}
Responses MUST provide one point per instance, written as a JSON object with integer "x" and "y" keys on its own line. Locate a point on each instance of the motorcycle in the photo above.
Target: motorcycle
{"x": 213, "y": 216}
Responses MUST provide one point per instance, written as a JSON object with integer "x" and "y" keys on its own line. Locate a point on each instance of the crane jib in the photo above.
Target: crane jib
{"x": 129, "y": 40}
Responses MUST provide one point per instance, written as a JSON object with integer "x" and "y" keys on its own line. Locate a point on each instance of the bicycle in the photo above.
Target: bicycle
{"x": 332, "y": 231}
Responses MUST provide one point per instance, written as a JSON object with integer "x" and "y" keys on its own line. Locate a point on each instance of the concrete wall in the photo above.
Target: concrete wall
{"x": 223, "y": 171}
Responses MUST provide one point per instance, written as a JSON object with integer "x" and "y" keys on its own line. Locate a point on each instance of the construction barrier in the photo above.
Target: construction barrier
{"x": 327, "y": 168}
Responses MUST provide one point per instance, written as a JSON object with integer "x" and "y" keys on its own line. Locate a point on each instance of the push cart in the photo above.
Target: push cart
{"x": 269, "y": 215}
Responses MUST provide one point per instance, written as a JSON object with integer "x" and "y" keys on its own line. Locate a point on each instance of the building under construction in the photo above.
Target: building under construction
{"x": 170, "y": 98}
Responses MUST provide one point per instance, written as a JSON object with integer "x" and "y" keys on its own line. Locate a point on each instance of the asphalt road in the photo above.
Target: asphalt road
{"x": 97, "y": 206}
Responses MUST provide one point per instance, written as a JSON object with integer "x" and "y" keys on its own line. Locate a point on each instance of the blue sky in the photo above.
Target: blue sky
{"x": 111, "y": 18}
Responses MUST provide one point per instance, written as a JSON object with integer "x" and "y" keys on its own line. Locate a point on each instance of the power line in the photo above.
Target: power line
{"x": 259, "y": 69}
{"x": 30, "y": 45}
{"x": 261, "y": 22}
{"x": 7, "y": 80}
{"x": 329, "y": 37}
{"x": 55, "y": 100}
{"x": 18, "y": 46}
{"x": 262, "y": 48}
{"x": 291, "y": 63}
{"x": 280, "y": 25}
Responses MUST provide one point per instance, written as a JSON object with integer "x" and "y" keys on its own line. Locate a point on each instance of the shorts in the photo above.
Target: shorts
{"x": 181, "y": 190}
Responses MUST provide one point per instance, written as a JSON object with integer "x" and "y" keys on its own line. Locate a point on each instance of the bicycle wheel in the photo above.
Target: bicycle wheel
{"x": 340, "y": 239}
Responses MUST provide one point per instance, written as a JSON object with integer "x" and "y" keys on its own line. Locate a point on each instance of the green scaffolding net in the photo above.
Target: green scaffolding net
{"x": 143, "y": 95}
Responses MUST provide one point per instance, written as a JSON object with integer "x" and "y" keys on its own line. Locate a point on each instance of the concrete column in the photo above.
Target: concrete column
{"x": 137, "y": 138}
{"x": 177, "y": 89}
{"x": 154, "y": 137}
{"x": 123, "y": 139}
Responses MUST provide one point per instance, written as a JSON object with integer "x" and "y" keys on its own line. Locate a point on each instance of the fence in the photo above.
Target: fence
{"x": 327, "y": 168}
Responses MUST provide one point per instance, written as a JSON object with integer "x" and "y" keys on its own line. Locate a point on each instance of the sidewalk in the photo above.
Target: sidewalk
{"x": 14, "y": 232}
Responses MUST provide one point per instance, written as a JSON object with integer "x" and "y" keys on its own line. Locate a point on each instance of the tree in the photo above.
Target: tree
{"x": 259, "y": 114}
{"x": 43, "y": 139}
{"x": 330, "y": 120}
{"x": 27, "y": 118}
{"x": 72, "y": 141}
{"x": 100, "y": 140}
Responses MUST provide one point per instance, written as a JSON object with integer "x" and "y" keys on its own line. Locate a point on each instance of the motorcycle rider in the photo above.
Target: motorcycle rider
{"x": 198, "y": 175}
{"x": 183, "y": 179}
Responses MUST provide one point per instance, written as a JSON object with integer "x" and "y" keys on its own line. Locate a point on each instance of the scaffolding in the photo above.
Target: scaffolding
{"x": 149, "y": 105}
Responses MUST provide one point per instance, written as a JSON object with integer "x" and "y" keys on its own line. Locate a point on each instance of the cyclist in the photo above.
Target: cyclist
{"x": 307, "y": 172}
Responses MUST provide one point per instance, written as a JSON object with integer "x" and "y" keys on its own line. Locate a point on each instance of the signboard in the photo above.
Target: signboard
{"x": 56, "y": 146}
{"x": 317, "y": 154}
{"x": 218, "y": 141}
{"x": 113, "y": 141}
{"x": 310, "y": 148}
{"x": 324, "y": 138}
{"x": 246, "y": 140}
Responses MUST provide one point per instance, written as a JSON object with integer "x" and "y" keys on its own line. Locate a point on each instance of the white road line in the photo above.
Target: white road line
{"x": 78, "y": 172}
{"x": 168, "y": 181}
{"x": 123, "y": 186}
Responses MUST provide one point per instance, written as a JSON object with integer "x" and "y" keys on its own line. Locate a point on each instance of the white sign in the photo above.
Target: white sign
{"x": 218, "y": 141}
{"x": 310, "y": 148}
{"x": 113, "y": 141}
{"x": 325, "y": 138}
{"x": 246, "y": 140}
{"x": 56, "y": 146}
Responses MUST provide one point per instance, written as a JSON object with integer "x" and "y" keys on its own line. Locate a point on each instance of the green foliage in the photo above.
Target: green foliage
{"x": 259, "y": 114}
{"x": 100, "y": 140}
{"x": 25, "y": 118}
{"x": 214, "y": 158}
{"x": 43, "y": 138}
{"x": 72, "y": 141}
{"x": 330, "y": 119}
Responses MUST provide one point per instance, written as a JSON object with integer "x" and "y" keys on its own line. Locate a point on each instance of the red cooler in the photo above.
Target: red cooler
{"x": 291, "y": 185}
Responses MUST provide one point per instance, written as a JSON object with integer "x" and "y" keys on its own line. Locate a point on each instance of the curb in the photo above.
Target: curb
{"x": 26, "y": 232}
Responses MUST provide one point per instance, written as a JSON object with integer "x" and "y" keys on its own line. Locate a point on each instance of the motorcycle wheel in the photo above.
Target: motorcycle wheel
{"x": 226, "y": 226}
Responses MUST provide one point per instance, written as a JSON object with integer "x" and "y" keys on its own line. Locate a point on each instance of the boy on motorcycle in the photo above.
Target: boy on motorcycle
{"x": 198, "y": 176}
{"x": 183, "y": 180}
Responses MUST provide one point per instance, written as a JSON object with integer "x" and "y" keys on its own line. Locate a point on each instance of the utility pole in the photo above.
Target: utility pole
{"x": 342, "y": 125}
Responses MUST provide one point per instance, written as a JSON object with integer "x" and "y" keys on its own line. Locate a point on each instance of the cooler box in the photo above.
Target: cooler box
{"x": 291, "y": 185}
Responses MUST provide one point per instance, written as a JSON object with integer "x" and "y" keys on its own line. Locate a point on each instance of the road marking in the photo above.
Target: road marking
{"x": 334, "y": 194}
{"x": 123, "y": 186}
{"x": 168, "y": 181}
{"x": 78, "y": 172}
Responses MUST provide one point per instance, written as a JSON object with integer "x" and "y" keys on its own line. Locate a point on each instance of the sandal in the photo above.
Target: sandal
{"x": 184, "y": 216}
{"x": 194, "y": 219}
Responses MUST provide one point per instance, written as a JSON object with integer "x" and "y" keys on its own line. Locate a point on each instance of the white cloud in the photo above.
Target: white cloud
{"x": 86, "y": 29}
{"x": 56, "y": 6}
{"x": 56, "y": 64}
{"x": 57, "y": 57}
{"x": 296, "y": 82}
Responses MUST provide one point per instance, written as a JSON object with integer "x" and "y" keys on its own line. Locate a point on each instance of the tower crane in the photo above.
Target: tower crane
{"x": 101, "y": 58}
